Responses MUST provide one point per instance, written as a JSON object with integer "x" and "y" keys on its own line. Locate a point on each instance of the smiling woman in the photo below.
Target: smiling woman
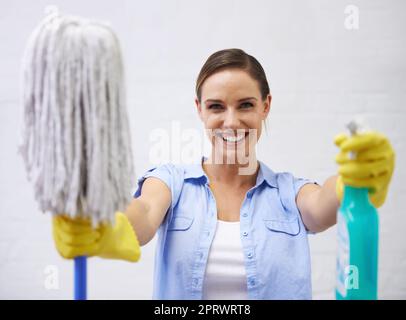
{"x": 225, "y": 231}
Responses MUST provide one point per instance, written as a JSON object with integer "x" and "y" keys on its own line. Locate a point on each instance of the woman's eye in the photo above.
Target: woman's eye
{"x": 215, "y": 106}
{"x": 246, "y": 105}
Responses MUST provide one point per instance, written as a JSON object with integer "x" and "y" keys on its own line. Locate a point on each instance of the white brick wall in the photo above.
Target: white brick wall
{"x": 320, "y": 73}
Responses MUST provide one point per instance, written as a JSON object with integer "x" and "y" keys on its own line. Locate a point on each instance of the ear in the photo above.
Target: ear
{"x": 267, "y": 105}
{"x": 199, "y": 108}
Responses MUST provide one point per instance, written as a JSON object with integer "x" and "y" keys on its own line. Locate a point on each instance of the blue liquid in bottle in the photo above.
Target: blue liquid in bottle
{"x": 357, "y": 259}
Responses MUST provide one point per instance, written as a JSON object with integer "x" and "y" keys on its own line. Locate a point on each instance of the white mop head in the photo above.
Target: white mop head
{"x": 76, "y": 145}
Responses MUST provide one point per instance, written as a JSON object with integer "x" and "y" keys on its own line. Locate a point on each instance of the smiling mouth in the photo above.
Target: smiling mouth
{"x": 232, "y": 139}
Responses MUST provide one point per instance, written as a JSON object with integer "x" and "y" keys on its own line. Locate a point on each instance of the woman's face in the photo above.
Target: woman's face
{"x": 232, "y": 111}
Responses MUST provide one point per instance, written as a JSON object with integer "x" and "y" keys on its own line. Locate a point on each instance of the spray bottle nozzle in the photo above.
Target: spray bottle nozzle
{"x": 356, "y": 126}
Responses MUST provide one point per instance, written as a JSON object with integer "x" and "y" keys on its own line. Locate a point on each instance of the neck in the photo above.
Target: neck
{"x": 236, "y": 175}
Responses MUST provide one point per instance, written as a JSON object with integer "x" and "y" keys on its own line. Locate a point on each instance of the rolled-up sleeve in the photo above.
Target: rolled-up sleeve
{"x": 169, "y": 174}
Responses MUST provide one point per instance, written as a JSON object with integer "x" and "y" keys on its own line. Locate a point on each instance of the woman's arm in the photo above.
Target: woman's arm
{"x": 372, "y": 168}
{"x": 147, "y": 212}
{"x": 318, "y": 205}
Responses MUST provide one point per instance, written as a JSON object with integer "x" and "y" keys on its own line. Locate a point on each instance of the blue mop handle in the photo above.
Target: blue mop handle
{"x": 80, "y": 278}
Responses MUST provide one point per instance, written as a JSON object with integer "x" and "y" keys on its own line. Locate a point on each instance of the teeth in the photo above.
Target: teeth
{"x": 238, "y": 138}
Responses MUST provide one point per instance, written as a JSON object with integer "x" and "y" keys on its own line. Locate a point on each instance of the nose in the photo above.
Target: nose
{"x": 231, "y": 119}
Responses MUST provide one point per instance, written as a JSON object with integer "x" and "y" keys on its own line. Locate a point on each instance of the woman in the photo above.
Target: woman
{"x": 229, "y": 227}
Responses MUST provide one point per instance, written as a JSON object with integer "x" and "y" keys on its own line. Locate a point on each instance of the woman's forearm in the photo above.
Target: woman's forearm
{"x": 318, "y": 205}
{"x": 137, "y": 214}
{"x": 327, "y": 204}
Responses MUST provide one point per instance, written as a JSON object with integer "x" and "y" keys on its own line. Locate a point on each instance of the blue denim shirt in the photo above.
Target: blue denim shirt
{"x": 273, "y": 237}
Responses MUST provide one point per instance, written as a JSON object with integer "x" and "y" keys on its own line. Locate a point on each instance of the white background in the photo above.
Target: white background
{"x": 321, "y": 74}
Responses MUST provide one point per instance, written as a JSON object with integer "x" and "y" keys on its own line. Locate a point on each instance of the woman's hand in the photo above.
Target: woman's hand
{"x": 77, "y": 237}
{"x": 371, "y": 167}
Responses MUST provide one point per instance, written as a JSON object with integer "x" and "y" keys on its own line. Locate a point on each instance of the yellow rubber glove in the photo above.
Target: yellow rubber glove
{"x": 76, "y": 237}
{"x": 372, "y": 166}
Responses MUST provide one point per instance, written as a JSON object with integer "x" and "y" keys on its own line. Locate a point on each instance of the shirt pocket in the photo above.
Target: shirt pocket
{"x": 180, "y": 223}
{"x": 290, "y": 226}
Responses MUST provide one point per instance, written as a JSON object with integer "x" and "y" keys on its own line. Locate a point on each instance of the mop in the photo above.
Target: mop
{"x": 76, "y": 142}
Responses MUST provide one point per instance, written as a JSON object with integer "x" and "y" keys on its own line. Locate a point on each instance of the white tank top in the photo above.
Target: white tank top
{"x": 225, "y": 276}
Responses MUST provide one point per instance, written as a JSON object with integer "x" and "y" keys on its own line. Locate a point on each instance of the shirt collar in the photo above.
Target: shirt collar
{"x": 264, "y": 173}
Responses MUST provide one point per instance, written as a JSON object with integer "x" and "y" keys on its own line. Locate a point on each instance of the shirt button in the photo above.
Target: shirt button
{"x": 250, "y": 255}
{"x": 252, "y": 282}
{"x": 245, "y": 214}
{"x": 245, "y": 233}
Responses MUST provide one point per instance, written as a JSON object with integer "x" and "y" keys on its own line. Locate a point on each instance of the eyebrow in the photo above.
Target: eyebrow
{"x": 218, "y": 100}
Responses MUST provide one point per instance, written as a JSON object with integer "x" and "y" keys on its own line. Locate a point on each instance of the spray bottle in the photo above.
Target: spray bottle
{"x": 357, "y": 257}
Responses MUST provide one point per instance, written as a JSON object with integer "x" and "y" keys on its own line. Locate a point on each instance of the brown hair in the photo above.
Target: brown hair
{"x": 233, "y": 58}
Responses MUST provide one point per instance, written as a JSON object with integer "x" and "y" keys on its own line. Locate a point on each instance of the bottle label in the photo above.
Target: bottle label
{"x": 343, "y": 255}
